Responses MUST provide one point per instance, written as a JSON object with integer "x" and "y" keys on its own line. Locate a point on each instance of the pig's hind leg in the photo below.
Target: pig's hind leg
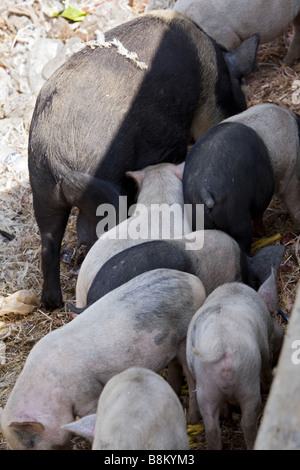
{"x": 250, "y": 404}
{"x": 210, "y": 406}
{"x": 177, "y": 365}
{"x": 241, "y": 231}
{"x": 52, "y": 220}
{"x": 235, "y": 220}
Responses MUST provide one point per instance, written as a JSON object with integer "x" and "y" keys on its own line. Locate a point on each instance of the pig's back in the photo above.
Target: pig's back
{"x": 231, "y": 21}
{"x": 152, "y": 309}
{"x": 233, "y": 318}
{"x": 279, "y": 129}
{"x": 139, "y": 410}
{"x": 105, "y": 93}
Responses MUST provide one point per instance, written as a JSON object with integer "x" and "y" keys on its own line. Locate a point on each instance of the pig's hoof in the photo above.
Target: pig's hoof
{"x": 194, "y": 417}
{"x": 51, "y": 303}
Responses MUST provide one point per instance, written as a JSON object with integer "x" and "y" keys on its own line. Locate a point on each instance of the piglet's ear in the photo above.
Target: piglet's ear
{"x": 268, "y": 292}
{"x": 241, "y": 60}
{"x": 84, "y": 427}
{"x": 179, "y": 170}
{"x": 138, "y": 176}
{"x": 28, "y": 426}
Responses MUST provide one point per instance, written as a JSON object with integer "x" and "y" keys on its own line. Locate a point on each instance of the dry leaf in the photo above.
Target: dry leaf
{"x": 21, "y": 302}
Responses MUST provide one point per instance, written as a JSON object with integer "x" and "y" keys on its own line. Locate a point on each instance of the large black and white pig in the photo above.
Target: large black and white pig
{"x": 231, "y": 21}
{"x": 130, "y": 101}
{"x": 230, "y": 172}
{"x": 143, "y": 323}
{"x": 137, "y": 410}
{"x": 232, "y": 344}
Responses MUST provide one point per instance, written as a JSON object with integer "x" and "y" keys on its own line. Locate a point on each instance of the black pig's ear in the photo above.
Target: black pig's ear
{"x": 241, "y": 60}
{"x": 261, "y": 263}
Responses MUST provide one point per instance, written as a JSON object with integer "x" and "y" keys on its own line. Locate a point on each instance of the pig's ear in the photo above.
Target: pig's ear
{"x": 84, "y": 427}
{"x": 29, "y": 426}
{"x": 1, "y": 410}
{"x": 138, "y": 176}
{"x": 241, "y": 60}
{"x": 262, "y": 262}
{"x": 179, "y": 170}
{"x": 268, "y": 292}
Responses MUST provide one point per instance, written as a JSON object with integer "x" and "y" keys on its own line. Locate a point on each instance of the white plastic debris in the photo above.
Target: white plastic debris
{"x": 16, "y": 162}
{"x": 13, "y": 134}
{"x": 296, "y": 92}
{"x": 33, "y": 44}
{"x": 108, "y": 15}
{"x": 71, "y": 46}
{"x": 49, "y": 7}
{"x": 41, "y": 52}
{"x": 6, "y": 86}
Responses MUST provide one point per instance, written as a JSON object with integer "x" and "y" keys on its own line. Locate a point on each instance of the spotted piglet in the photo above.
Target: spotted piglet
{"x": 143, "y": 323}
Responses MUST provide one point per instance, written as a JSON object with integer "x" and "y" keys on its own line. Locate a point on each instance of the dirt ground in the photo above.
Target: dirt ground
{"x": 272, "y": 81}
